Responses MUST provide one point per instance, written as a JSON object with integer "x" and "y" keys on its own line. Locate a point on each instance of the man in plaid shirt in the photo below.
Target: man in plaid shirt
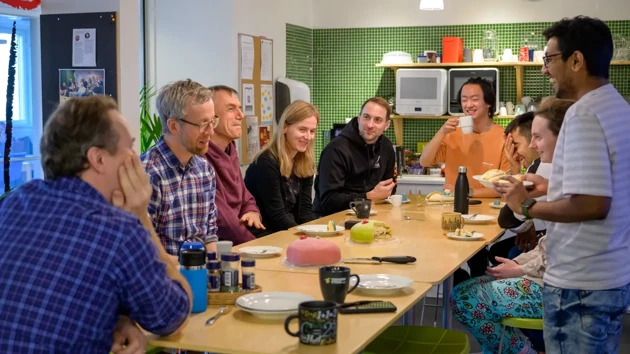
{"x": 79, "y": 259}
{"x": 184, "y": 184}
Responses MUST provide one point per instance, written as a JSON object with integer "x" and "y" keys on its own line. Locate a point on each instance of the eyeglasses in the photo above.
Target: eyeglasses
{"x": 546, "y": 60}
{"x": 203, "y": 127}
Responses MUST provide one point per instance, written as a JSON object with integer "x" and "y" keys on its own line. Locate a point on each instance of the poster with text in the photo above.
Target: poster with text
{"x": 265, "y": 136}
{"x": 80, "y": 83}
{"x": 248, "y": 99}
{"x": 266, "y": 105}
{"x": 84, "y": 47}
{"x": 253, "y": 142}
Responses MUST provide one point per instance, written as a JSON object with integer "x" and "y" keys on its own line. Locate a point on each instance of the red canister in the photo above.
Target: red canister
{"x": 523, "y": 54}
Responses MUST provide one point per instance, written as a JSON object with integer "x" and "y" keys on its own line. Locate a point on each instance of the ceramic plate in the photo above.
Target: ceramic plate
{"x": 475, "y": 236}
{"x": 269, "y": 315}
{"x": 381, "y": 284}
{"x": 387, "y": 200}
{"x": 319, "y": 230}
{"x": 499, "y": 206}
{"x": 477, "y": 219}
{"x": 351, "y": 212}
{"x": 272, "y": 302}
{"x": 260, "y": 251}
{"x": 491, "y": 185}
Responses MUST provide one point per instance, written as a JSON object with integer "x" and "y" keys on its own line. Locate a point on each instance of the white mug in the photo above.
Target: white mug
{"x": 510, "y": 108}
{"x": 503, "y": 111}
{"x": 466, "y": 123}
{"x": 538, "y": 56}
{"x": 396, "y": 200}
{"x": 478, "y": 56}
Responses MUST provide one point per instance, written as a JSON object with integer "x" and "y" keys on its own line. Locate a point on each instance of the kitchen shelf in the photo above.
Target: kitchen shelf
{"x": 517, "y": 65}
{"x": 484, "y": 64}
{"x": 398, "y": 116}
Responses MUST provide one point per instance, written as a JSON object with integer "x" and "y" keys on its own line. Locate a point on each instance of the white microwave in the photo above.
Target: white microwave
{"x": 421, "y": 92}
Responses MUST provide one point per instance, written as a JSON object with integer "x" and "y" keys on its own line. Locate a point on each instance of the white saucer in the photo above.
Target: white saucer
{"x": 272, "y": 305}
{"x": 381, "y": 284}
{"x": 377, "y": 243}
{"x": 351, "y": 212}
{"x": 500, "y": 206}
{"x": 475, "y": 236}
{"x": 319, "y": 230}
{"x": 260, "y": 251}
{"x": 478, "y": 219}
{"x": 387, "y": 200}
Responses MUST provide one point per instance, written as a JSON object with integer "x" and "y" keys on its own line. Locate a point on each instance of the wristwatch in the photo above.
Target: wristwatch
{"x": 528, "y": 203}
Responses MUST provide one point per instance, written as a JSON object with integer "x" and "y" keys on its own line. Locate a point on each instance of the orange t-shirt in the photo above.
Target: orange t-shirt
{"x": 478, "y": 152}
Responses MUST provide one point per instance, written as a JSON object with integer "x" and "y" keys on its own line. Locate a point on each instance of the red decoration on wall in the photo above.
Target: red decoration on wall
{"x": 23, "y": 4}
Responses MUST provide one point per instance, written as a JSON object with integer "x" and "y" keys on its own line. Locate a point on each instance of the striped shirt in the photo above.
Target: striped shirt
{"x": 182, "y": 204}
{"x": 70, "y": 264}
{"x": 592, "y": 157}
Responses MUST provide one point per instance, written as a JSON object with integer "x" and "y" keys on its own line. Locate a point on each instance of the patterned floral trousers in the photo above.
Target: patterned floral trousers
{"x": 480, "y": 304}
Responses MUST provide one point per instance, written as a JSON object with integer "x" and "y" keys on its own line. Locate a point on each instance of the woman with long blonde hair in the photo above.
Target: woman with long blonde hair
{"x": 281, "y": 176}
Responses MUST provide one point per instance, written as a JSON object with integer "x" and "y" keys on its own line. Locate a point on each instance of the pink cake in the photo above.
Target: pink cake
{"x": 313, "y": 251}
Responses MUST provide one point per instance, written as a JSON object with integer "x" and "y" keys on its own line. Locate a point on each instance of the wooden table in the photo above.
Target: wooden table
{"x": 437, "y": 255}
{"x": 240, "y": 332}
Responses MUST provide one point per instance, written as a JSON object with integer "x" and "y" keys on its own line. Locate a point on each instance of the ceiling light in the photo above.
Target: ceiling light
{"x": 431, "y": 5}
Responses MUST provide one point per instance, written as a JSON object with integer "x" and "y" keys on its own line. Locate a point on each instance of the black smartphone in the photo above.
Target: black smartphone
{"x": 350, "y": 223}
{"x": 474, "y": 202}
{"x": 367, "y": 307}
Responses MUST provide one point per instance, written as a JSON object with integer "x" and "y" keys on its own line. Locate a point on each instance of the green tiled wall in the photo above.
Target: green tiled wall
{"x": 344, "y": 73}
{"x": 300, "y": 54}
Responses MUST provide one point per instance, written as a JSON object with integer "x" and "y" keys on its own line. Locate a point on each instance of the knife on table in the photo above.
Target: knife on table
{"x": 378, "y": 260}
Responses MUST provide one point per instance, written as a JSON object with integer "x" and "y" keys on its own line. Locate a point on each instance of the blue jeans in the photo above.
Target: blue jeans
{"x": 581, "y": 321}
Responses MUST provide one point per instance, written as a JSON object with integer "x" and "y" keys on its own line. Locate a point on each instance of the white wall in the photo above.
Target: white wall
{"x": 191, "y": 39}
{"x": 378, "y": 13}
{"x": 269, "y": 18}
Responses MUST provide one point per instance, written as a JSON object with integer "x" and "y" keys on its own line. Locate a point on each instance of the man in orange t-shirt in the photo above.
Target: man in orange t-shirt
{"x": 480, "y": 151}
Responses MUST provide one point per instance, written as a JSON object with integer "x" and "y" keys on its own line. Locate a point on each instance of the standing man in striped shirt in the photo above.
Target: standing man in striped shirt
{"x": 184, "y": 184}
{"x": 587, "y": 288}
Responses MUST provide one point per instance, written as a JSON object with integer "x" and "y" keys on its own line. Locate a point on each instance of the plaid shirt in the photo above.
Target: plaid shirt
{"x": 70, "y": 263}
{"x": 182, "y": 205}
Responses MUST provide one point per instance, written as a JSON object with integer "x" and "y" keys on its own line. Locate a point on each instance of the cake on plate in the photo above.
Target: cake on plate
{"x": 310, "y": 251}
{"x": 369, "y": 231}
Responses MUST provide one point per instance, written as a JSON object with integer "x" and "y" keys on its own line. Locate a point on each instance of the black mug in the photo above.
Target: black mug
{"x": 361, "y": 207}
{"x": 318, "y": 323}
{"x": 334, "y": 283}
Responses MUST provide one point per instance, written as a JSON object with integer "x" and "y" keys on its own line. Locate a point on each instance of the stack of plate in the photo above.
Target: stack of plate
{"x": 272, "y": 305}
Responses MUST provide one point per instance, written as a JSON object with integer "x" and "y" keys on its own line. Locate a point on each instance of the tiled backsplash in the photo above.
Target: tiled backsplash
{"x": 340, "y": 67}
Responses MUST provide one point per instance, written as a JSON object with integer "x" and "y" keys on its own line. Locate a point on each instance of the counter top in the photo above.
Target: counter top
{"x": 420, "y": 179}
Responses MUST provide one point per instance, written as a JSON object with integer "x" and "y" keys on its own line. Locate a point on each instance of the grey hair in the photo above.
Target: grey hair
{"x": 224, "y": 88}
{"x": 173, "y": 98}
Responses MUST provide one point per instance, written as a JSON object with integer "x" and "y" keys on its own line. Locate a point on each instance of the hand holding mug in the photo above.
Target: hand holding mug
{"x": 450, "y": 125}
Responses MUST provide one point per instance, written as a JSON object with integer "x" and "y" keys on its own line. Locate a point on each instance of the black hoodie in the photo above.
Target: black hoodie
{"x": 349, "y": 168}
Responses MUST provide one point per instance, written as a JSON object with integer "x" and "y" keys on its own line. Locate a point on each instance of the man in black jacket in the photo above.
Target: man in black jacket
{"x": 359, "y": 163}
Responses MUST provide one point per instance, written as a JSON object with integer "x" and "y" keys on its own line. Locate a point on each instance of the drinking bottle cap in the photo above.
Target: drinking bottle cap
{"x": 462, "y": 169}
{"x": 192, "y": 257}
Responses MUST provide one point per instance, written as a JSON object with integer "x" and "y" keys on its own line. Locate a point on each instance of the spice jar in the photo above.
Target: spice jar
{"x": 214, "y": 276}
{"x": 229, "y": 272}
{"x": 249, "y": 282}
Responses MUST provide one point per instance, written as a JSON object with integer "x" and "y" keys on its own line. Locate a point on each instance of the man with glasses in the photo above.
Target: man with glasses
{"x": 239, "y": 217}
{"x": 359, "y": 163}
{"x": 182, "y": 204}
{"x": 587, "y": 280}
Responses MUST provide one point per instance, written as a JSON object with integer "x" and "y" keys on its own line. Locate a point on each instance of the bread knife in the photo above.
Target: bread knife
{"x": 378, "y": 260}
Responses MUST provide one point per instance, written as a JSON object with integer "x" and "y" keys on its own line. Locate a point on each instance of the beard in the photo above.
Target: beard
{"x": 566, "y": 90}
{"x": 192, "y": 146}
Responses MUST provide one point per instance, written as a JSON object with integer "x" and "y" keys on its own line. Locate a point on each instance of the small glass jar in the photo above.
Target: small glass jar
{"x": 229, "y": 272}
{"x": 248, "y": 268}
{"x": 214, "y": 275}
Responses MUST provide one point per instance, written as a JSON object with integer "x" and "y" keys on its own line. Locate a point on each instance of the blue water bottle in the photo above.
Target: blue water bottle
{"x": 192, "y": 259}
